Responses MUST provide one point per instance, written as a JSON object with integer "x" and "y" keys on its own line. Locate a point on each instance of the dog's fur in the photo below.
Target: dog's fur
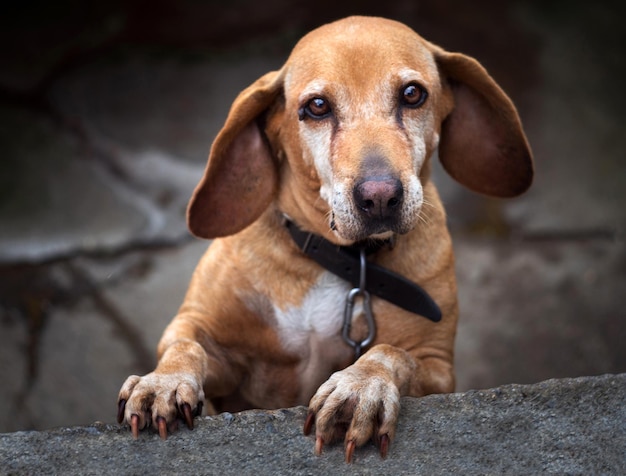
{"x": 260, "y": 326}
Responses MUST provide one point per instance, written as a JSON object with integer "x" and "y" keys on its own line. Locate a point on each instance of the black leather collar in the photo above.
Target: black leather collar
{"x": 343, "y": 261}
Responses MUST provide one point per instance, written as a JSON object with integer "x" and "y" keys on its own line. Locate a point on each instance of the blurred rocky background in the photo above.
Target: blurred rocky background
{"x": 107, "y": 113}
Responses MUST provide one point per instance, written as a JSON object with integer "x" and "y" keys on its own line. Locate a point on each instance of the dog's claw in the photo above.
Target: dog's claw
{"x": 134, "y": 425}
{"x": 186, "y": 411}
{"x": 319, "y": 444}
{"x": 384, "y": 445}
{"x": 350, "y": 446}
{"x": 308, "y": 423}
{"x": 121, "y": 406}
{"x": 162, "y": 424}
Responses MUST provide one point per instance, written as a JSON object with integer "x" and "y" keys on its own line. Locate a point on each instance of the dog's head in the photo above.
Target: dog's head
{"x": 340, "y": 137}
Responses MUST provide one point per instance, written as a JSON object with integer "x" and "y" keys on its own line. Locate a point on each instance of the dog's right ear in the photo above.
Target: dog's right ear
{"x": 241, "y": 176}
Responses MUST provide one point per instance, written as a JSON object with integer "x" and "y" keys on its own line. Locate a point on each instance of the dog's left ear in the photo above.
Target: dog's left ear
{"x": 482, "y": 144}
{"x": 241, "y": 176}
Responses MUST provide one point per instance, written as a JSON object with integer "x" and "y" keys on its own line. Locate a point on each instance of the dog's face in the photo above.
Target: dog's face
{"x": 365, "y": 117}
{"x": 339, "y": 138}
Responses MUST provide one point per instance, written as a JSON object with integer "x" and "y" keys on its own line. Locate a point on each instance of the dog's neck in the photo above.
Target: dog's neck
{"x": 343, "y": 261}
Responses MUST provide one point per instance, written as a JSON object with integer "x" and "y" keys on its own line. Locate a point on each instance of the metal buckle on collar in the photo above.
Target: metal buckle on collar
{"x": 367, "y": 310}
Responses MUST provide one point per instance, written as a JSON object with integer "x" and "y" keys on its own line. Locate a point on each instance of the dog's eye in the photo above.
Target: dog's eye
{"x": 413, "y": 95}
{"x": 316, "y": 108}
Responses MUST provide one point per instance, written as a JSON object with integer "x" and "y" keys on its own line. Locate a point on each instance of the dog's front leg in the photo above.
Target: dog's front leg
{"x": 189, "y": 363}
{"x": 363, "y": 400}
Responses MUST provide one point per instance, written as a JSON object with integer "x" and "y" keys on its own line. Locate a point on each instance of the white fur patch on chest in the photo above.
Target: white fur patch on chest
{"x": 320, "y": 313}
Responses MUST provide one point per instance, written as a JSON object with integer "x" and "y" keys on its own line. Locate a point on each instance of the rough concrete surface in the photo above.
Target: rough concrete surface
{"x": 107, "y": 112}
{"x": 569, "y": 426}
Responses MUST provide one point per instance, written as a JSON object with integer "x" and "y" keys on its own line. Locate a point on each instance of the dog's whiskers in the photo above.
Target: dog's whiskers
{"x": 423, "y": 215}
{"x": 329, "y": 217}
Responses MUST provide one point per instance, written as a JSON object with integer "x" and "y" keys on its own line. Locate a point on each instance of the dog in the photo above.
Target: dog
{"x": 330, "y": 279}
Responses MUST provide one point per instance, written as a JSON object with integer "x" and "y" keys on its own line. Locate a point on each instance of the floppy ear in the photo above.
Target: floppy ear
{"x": 241, "y": 176}
{"x": 482, "y": 143}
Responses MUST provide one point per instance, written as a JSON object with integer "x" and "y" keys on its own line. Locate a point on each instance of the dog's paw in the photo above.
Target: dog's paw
{"x": 358, "y": 403}
{"x": 159, "y": 400}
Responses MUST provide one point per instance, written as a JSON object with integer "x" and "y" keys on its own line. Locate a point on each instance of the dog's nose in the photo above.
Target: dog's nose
{"x": 379, "y": 197}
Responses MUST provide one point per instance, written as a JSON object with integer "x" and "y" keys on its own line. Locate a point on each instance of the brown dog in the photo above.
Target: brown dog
{"x": 317, "y": 184}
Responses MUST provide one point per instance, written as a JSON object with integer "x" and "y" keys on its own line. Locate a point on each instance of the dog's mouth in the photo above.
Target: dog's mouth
{"x": 354, "y": 230}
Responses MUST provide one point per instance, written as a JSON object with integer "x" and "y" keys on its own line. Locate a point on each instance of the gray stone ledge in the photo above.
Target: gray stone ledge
{"x": 574, "y": 426}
